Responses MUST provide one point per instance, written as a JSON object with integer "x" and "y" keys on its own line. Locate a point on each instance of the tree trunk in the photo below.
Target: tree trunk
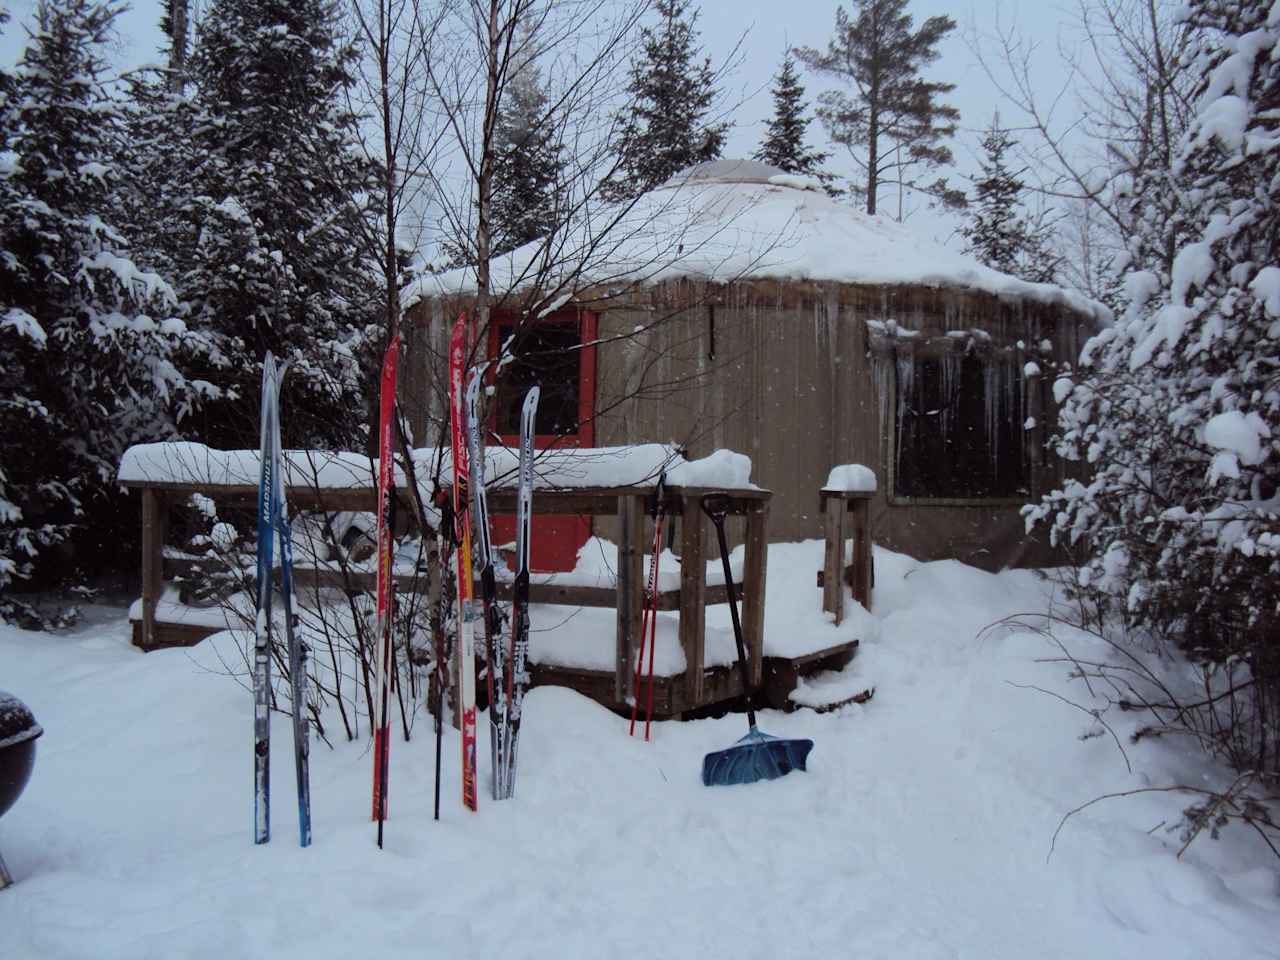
{"x": 391, "y": 267}
{"x": 484, "y": 185}
{"x": 177, "y": 44}
{"x": 873, "y": 159}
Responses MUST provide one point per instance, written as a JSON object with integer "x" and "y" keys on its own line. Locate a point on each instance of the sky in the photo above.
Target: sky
{"x": 765, "y": 29}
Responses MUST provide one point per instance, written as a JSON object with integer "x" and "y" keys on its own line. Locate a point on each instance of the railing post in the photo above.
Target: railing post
{"x": 630, "y": 589}
{"x": 755, "y": 561}
{"x": 153, "y": 523}
{"x": 693, "y": 596}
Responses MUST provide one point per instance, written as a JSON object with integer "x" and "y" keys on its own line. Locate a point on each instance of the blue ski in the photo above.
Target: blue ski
{"x": 273, "y": 520}
{"x": 298, "y": 650}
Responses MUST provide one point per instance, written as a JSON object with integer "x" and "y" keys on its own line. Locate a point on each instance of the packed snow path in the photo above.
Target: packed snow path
{"x": 920, "y": 831}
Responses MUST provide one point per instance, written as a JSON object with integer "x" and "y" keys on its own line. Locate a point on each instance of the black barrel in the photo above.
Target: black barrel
{"x": 18, "y": 733}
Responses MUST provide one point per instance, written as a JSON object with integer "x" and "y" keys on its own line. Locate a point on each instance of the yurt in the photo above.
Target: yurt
{"x": 740, "y": 308}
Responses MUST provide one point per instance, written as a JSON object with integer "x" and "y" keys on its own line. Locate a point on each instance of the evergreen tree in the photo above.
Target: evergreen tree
{"x": 784, "y": 145}
{"x": 894, "y": 113}
{"x": 527, "y": 164}
{"x": 666, "y": 127}
{"x": 87, "y": 339}
{"x": 281, "y": 201}
{"x": 1176, "y": 407}
{"x": 998, "y": 231}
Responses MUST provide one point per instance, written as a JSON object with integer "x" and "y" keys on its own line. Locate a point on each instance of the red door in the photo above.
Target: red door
{"x": 558, "y": 353}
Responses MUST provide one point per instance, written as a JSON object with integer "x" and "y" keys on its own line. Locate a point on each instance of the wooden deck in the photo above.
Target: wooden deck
{"x": 698, "y": 688}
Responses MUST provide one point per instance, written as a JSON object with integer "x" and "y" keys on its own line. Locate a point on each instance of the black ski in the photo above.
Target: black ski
{"x": 517, "y": 676}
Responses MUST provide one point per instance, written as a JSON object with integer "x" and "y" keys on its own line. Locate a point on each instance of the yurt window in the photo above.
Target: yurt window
{"x": 548, "y": 357}
{"x": 558, "y": 354}
{"x": 958, "y": 431}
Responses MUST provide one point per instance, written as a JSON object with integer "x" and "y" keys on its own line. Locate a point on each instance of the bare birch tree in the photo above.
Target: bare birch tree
{"x": 1117, "y": 113}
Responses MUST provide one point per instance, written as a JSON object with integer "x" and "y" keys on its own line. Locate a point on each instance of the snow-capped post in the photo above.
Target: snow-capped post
{"x": 845, "y": 501}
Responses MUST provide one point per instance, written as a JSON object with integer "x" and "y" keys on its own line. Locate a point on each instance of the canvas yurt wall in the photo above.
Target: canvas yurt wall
{"x": 874, "y": 347}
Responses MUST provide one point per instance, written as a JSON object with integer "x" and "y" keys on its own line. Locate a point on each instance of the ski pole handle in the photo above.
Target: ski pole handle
{"x": 716, "y": 506}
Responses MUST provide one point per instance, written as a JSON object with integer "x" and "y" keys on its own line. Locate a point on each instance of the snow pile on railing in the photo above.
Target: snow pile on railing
{"x": 197, "y": 465}
{"x": 638, "y": 465}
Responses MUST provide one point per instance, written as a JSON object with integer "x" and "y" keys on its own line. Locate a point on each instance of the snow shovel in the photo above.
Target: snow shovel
{"x": 757, "y": 756}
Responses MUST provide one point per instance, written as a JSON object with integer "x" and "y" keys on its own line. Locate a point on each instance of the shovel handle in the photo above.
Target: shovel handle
{"x": 716, "y": 506}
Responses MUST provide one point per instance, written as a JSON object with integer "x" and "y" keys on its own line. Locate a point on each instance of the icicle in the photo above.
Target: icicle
{"x": 906, "y": 382}
{"x": 880, "y": 374}
{"x": 950, "y": 374}
{"x": 991, "y": 396}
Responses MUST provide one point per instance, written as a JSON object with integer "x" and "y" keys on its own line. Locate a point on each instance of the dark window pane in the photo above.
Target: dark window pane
{"x": 548, "y": 356}
{"x": 960, "y": 428}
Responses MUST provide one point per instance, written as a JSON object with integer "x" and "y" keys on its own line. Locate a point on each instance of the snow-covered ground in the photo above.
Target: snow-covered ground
{"x": 921, "y": 829}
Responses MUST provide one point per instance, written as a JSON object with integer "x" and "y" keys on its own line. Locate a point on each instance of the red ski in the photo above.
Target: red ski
{"x": 466, "y": 613}
{"x": 384, "y": 668}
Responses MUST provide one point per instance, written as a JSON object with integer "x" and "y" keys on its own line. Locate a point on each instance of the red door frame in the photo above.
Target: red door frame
{"x": 556, "y": 539}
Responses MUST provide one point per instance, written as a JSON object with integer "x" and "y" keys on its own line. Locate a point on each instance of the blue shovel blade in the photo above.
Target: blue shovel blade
{"x": 757, "y": 756}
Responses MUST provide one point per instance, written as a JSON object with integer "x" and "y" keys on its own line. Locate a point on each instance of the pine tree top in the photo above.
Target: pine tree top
{"x": 667, "y": 128}
{"x": 784, "y": 145}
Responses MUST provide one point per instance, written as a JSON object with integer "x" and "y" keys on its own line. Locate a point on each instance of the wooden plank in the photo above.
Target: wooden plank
{"x": 598, "y": 685}
{"x": 568, "y": 595}
{"x": 755, "y": 562}
{"x": 859, "y": 517}
{"x": 693, "y": 596}
{"x": 503, "y": 501}
{"x": 833, "y": 557}
{"x": 825, "y": 495}
{"x": 630, "y": 591}
{"x": 171, "y": 635}
{"x": 154, "y": 505}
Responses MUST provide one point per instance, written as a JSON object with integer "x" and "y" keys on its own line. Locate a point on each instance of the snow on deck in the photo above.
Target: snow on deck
{"x": 637, "y": 465}
{"x": 733, "y": 226}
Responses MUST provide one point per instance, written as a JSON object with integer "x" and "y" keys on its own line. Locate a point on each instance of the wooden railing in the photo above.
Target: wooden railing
{"x": 629, "y": 504}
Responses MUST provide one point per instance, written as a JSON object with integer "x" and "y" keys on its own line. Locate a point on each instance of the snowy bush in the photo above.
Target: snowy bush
{"x": 1175, "y": 411}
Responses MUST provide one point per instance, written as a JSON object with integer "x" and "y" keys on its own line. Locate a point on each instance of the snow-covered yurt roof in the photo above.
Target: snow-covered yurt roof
{"x": 729, "y": 220}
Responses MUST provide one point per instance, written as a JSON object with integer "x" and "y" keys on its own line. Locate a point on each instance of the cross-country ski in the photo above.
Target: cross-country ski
{"x": 384, "y": 651}
{"x": 273, "y": 522}
{"x": 267, "y": 504}
{"x": 493, "y": 619}
{"x": 465, "y": 615}
{"x": 518, "y": 655}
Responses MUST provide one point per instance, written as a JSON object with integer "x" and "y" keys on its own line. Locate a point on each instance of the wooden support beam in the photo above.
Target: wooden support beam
{"x": 503, "y": 501}
{"x": 859, "y": 516}
{"x": 154, "y": 514}
{"x": 833, "y": 558}
{"x": 693, "y": 595}
{"x": 629, "y": 595}
{"x": 755, "y": 561}
{"x": 845, "y": 513}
